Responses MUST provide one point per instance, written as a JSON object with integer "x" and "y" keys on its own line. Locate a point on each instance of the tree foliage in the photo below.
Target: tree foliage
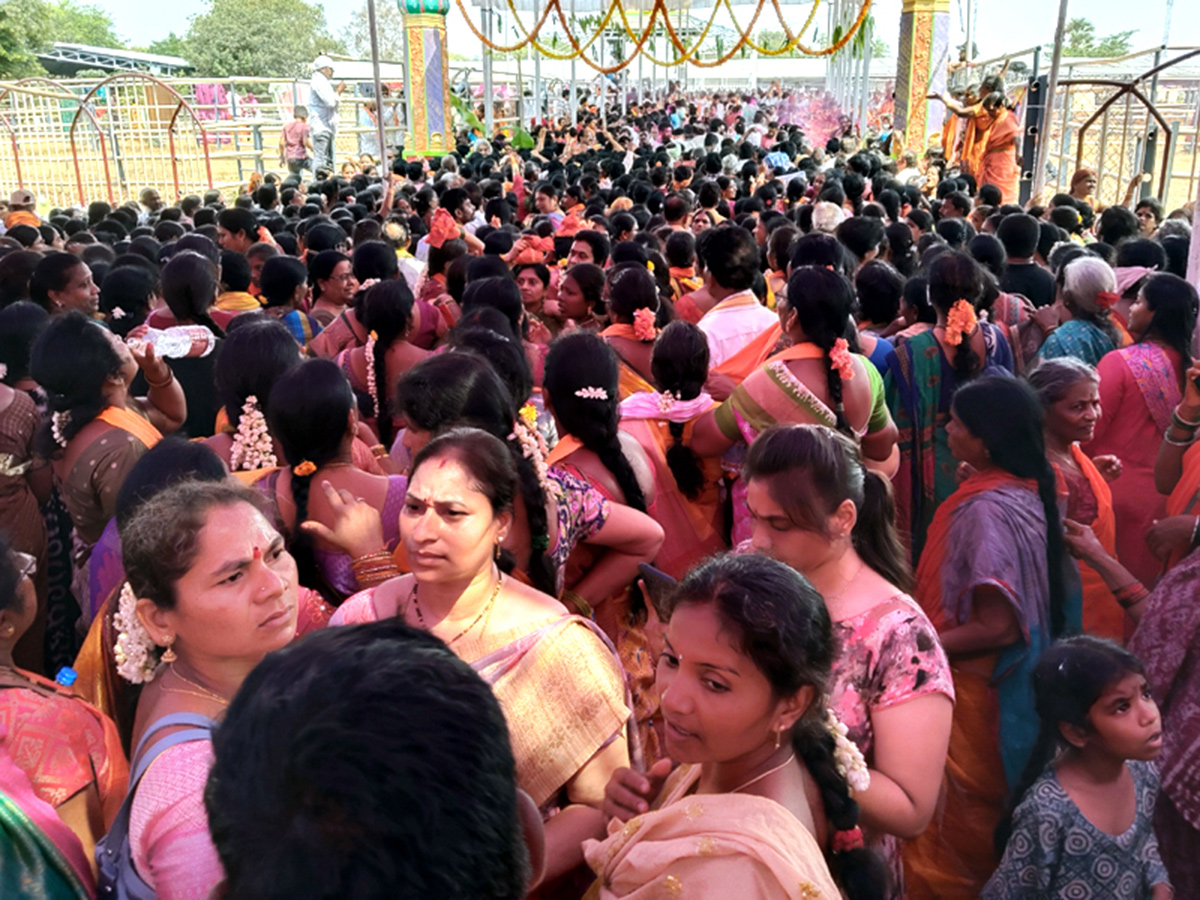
{"x": 262, "y": 38}
{"x": 389, "y": 25}
{"x": 23, "y": 31}
{"x": 172, "y": 45}
{"x": 81, "y": 23}
{"x": 1079, "y": 39}
{"x": 28, "y": 26}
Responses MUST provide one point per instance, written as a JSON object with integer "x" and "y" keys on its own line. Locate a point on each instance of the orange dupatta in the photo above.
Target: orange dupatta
{"x": 1102, "y": 615}
{"x": 1186, "y": 495}
{"x": 955, "y": 855}
{"x": 754, "y": 354}
{"x": 629, "y": 380}
{"x": 130, "y": 422}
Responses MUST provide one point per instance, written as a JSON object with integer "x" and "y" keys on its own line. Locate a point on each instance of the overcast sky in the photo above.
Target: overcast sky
{"x": 1003, "y": 25}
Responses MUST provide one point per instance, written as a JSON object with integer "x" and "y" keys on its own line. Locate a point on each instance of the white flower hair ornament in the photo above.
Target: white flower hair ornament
{"x": 136, "y": 654}
{"x": 252, "y": 445}
{"x": 58, "y": 424}
{"x": 846, "y": 756}
{"x": 592, "y": 393}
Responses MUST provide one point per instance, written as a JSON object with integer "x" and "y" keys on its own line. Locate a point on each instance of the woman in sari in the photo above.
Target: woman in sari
{"x": 818, "y": 509}
{"x": 388, "y": 313}
{"x": 581, "y": 393}
{"x": 817, "y": 380}
{"x": 1140, "y": 385}
{"x": 991, "y": 580}
{"x": 1086, "y": 294}
{"x": 61, "y": 762}
{"x": 555, "y": 510}
{"x": 1177, "y": 474}
{"x": 997, "y": 157}
{"x": 581, "y": 297}
{"x": 557, "y": 678}
{"x": 331, "y": 275}
{"x": 633, "y": 310}
{"x": 687, "y": 498}
{"x": 97, "y": 429}
{"x": 1069, "y": 391}
{"x": 212, "y": 587}
{"x": 284, "y": 282}
{"x": 313, "y": 416}
{"x": 924, "y": 370}
{"x": 757, "y": 809}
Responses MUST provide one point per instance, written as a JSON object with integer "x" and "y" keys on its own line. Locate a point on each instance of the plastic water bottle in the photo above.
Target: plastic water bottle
{"x": 177, "y": 342}
{"x": 66, "y": 676}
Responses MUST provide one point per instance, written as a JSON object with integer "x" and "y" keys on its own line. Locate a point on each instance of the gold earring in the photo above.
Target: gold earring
{"x": 169, "y": 654}
{"x": 778, "y": 738}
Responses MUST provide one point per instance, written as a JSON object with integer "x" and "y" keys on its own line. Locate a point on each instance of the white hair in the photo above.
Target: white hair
{"x": 1085, "y": 277}
{"x": 827, "y": 217}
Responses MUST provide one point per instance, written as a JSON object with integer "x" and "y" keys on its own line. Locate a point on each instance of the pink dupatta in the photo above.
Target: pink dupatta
{"x": 1156, "y": 378}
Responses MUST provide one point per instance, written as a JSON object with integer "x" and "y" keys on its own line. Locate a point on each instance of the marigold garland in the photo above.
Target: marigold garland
{"x": 686, "y": 54}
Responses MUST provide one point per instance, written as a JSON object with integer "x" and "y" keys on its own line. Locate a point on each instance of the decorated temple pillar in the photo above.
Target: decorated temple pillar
{"x": 921, "y": 70}
{"x": 427, "y": 71}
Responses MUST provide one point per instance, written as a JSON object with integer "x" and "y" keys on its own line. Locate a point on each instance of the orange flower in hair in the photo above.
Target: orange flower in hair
{"x": 305, "y": 469}
{"x": 643, "y": 325}
{"x": 960, "y": 322}
{"x": 841, "y": 360}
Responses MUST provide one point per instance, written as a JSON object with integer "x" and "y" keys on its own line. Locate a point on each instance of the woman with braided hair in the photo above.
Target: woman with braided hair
{"x": 761, "y": 806}
{"x": 581, "y": 393}
{"x": 312, "y": 416}
{"x": 388, "y": 314}
{"x": 819, "y": 379}
{"x": 924, "y": 370}
{"x": 687, "y": 501}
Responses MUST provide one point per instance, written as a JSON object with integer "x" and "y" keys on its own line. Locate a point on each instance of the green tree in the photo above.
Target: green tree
{"x": 172, "y": 45}
{"x": 1079, "y": 39}
{"x": 23, "y": 31}
{"x": 389, "y": 25}
{"x": 262, "y": 38}
{"x": 78, "y": 23}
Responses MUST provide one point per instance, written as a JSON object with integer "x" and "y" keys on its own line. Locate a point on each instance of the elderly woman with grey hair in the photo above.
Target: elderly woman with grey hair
{"x": 1087, "y": 291}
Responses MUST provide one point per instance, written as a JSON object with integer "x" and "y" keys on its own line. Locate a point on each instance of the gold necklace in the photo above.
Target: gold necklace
{"x": 205, "y": 694}
{"x": 772, "y": 771}
{"x": 487, "y": 607}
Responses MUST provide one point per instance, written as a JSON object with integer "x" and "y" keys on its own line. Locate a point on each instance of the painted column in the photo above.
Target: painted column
{"x": 428, "y": 77}
{"x": 921, "y": 69}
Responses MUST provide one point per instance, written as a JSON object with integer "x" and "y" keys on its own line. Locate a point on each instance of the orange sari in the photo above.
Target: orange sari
{"x": 1185, "y": 498}
{"x": 998, "y": 159}
{"x": 954, "y": 857}
{"x": 629, "y": 381}
{"x": 1102, "y": 615}
{"x": 754, "y": 354}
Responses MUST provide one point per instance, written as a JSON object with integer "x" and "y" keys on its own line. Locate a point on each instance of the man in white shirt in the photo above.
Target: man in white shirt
{"x": 731, "y": 263}
{"x": 323, "y": 108}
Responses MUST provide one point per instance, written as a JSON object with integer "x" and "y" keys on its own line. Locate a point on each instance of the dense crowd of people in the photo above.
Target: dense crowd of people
{"x": 701, "y": 503}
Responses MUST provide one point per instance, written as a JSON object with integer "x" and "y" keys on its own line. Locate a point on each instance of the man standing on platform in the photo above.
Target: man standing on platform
{"x": 323, "y": 107}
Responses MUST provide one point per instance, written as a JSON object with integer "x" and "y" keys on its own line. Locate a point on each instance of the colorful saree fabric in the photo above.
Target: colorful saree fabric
{"x": 709, "y": 847}
{"x": 1167, "y": 640}
{"x": 1078, "y": 338}
{"x": 999, "y": 541}
{"x": 773, "y": 395}
{"x": 692, "y": 527}
{"x": 559, "y": 683}
{"x": 1090, "y": 502}
{"x": 40, "y": 857}
{"x": 629, "y": 380}
{"x": 920, "y": 385}
{"x": 998, "y": 164}
{"x": 1139, "y": 387}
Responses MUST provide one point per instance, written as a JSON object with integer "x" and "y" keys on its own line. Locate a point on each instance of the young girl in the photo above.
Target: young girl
{"x": 1083, "y": 825}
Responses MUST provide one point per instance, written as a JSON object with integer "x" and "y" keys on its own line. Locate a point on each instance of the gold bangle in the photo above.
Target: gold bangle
{"x": 161, "y": 384}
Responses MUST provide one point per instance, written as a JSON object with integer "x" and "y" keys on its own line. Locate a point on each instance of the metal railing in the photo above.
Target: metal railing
{"x": 72, "y": 141}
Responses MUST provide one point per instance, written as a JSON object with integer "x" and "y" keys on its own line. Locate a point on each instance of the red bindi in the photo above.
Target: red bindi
{"x": 257, "y": 553}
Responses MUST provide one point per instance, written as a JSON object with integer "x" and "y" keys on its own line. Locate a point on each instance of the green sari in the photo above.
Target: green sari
{"x": 31, "y": 866}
